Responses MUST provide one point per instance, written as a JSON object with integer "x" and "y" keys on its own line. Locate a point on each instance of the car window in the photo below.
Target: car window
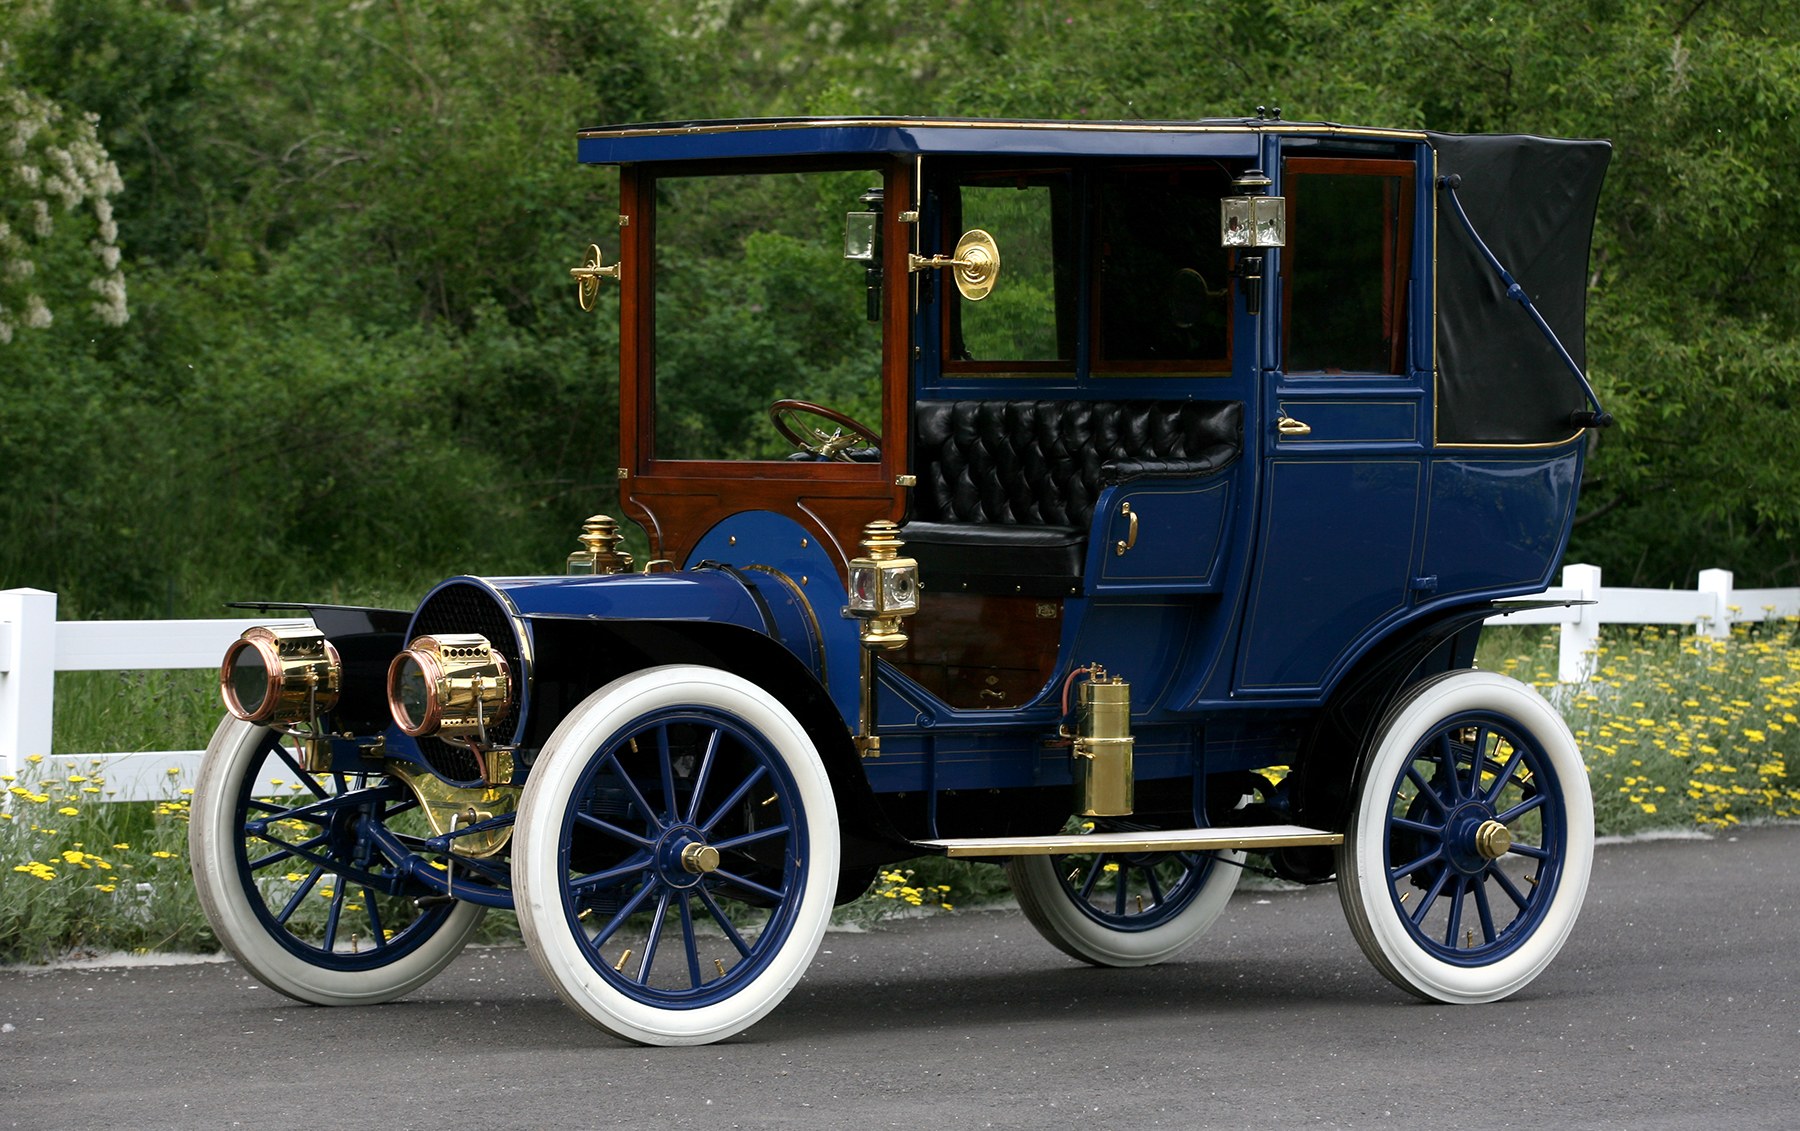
{"x": 1346, "y": 266}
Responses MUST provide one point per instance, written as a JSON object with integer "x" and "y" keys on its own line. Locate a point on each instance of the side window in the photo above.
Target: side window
{"x": 1163, "y": 287}
{"x": 754, "y": 302}
{"x": 1347, "y": 265}
{"x": 1030, "y": 316}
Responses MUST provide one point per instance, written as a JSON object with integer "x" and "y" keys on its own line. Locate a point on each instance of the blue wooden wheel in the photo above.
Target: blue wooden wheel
{"x": 1468, "y": 857}
{"x": 294, "y": 887}
{"x": 677, "y": 855}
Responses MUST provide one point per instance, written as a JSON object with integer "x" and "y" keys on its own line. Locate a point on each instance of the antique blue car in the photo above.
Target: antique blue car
{"x": 1131, "y": 499}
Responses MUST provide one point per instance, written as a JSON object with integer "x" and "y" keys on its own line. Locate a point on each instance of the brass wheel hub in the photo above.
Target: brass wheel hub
{"x": 1493, "y": 840}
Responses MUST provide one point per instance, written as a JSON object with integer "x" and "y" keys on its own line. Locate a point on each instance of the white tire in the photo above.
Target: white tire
{"x": 1467, "y": 856}
{"x": 676, "y": 855}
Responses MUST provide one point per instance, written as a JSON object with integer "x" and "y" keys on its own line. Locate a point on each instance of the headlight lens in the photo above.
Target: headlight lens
{"x": 452, "y": 685}
{"x": 280, "y": 673}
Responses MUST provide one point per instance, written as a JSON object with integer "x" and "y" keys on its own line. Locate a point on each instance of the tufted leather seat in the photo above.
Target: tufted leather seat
{"x": 1006, "y": 489}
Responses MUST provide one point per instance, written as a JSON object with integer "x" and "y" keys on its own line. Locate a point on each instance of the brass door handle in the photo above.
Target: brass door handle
{"x": 1288, "y": 426}
{"x": 1131, "y": 520}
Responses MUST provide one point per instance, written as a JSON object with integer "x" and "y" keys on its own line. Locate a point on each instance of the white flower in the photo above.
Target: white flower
{"x": 37, "y": 315}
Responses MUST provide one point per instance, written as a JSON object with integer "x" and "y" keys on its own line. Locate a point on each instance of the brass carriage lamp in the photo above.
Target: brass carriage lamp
{"x": 883, "y": 591}
{"x": 884, "y": 587}
{"x": 1253, "y": 218}
{"x": 1250, "y": 221}
{"x": 862, "y": 244}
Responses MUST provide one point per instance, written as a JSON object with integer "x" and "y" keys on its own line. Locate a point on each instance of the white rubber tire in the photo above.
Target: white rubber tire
{"x": 1363, "y": 885}
{"x": 1050, "y": 908}
{"x": 538, "y": 876}
{"x": 214, "y": 833}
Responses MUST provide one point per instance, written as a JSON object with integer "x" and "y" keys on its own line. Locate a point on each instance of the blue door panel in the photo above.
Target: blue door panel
{"x": 1498, "y": 524}
{"x": 1336, "y": 551}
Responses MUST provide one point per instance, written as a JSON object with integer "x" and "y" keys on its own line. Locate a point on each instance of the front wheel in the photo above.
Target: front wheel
{"x": 1124, "y": 909}
{"x": 1466, "y": 860}
{"x": 294, "y": 887}
{"x": 676, "y": 855}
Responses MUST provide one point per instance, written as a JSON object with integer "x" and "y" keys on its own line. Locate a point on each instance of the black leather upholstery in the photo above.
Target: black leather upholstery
{"x": 1006, "y": 489}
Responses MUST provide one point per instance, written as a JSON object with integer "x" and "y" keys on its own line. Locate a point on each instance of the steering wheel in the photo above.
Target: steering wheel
{"x": 789, "y": 419}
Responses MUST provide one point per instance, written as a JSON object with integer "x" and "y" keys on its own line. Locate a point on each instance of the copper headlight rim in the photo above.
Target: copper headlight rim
{"x": 434, "y": 706}
{"x": 433, "y": 671}
{"x": 268, "y": 649}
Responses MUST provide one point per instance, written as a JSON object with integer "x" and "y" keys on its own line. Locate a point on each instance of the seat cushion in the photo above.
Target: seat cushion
{"x": 1031, "y": 561}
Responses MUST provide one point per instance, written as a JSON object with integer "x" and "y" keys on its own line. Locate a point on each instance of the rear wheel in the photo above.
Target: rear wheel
{"x": 676, "y": 855}
{"x": 1124, "y": 909}
{"x": 1467, "y": 858}
{"x": 294, "y": 887}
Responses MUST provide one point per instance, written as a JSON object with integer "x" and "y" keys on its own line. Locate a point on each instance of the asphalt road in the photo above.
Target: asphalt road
{"x": 1675, "y": 1004}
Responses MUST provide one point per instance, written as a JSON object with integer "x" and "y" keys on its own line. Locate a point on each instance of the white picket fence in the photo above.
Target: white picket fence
{"x": 34, "y": 646}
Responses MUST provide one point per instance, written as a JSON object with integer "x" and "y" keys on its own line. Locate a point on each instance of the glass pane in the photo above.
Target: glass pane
{"x": 1344, "y": 276}
{"x": 1028, "y": 316}
{"x": 756, "y": 303}
{"x": 1163, "y": 275}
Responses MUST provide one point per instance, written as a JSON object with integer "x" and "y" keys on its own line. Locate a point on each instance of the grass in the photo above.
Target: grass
{"x": 1678, "y": 731}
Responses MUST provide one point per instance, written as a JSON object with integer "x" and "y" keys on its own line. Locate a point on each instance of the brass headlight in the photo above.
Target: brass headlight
{"x": 451, "y": 685}
{"x": 280, "y": 673}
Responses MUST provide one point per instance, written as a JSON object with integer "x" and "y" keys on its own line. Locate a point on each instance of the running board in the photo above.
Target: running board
{"x": 1150, "y": 840}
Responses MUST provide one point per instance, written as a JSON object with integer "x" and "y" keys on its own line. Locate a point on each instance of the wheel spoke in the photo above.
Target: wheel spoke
{"x": 651, "y": 817}
{"x": 614, "y": 831}
{"x": 1430, "y": 897}
{"x": 636, "y": 866}
{"x": 1121, "y": 881}
{"x": 1477, "y": 760}
{"x": 666, "y": 765}
{"x": 702, "y": 775}
{"x": 730, "y": 843}
{"x": 1456, "y": 907}
{"x": 742, "y": 884}
{"x": 1156, "y": 892}
{"x": 1482, "y": 909}
{"x": 1435, "y": 832}
{"x": 653, "y": 938}
{"x": 375, "y": 933}
{"x": 332, "y": 917}
{"x": 690, "y": 943}
{"x": 299, "y": 896}
{"x": 1506, "y": 885}
{"x": 1447, "y": 765}
{"x": 737, "y": 795}
{"x": 285, "y": 851}
{"x": 618, "y": 920}
{"x": 300, "y": 775}
{"x": 1504, "y": 776}
{"x": 1519, "y": 810}
{"x": 725, "y": 924}
{"x": 1425, "y": 789}
{"x": 1530, "y": 850}
{"x": 1405, "y": 870}
{"x": 1095, "y": 870}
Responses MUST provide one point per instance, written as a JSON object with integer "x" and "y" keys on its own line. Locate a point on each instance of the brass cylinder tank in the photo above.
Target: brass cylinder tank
{"x": 1102, "y": 750}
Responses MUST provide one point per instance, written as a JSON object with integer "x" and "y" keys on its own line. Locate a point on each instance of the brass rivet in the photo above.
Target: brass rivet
{"x": 733, "y": 540}
{"x": 720, "y": 963}
{"x": 623, "y": 958}
{"x": 804, "y": 543}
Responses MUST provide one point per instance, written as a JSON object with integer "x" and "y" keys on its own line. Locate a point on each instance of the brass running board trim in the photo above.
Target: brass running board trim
{"x": 1155, "y": 840}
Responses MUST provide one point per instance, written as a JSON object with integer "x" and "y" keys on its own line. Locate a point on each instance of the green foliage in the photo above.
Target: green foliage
{"x": 352, "y": 365}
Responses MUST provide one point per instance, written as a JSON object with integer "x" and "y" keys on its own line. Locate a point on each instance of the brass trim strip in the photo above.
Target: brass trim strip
{"x": 1246, "y": 127}
{"x": 1156, "y": 840}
